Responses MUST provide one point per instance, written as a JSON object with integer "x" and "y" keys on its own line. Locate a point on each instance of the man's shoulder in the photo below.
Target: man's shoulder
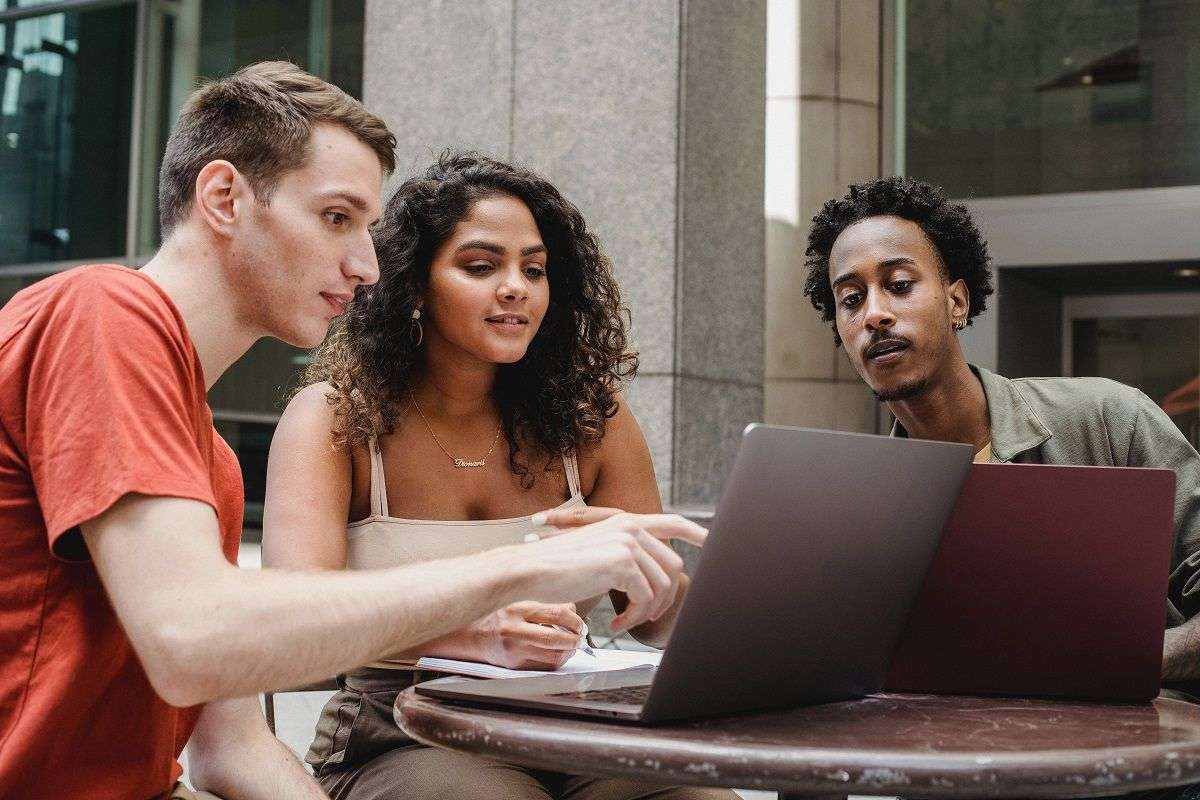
{"x": 101, "y": 283}
{"x": 93, "y": 293}
{"x": 1073, "y": 398}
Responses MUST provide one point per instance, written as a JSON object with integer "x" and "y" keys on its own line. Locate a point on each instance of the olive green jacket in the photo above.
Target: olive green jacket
{"x": 1099, "y": 422}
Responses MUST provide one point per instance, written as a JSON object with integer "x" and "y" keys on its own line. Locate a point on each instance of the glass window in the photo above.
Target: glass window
{"x": 1011, "y": 97}
{"x": 66, "y": 94}
{"x": 251, "y": 441}
{"x": 67, "y": 106}
{"x": 195, "y": 39}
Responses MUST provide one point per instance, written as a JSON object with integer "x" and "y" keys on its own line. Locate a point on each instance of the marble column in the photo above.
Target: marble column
{"x": 649, "y": 116}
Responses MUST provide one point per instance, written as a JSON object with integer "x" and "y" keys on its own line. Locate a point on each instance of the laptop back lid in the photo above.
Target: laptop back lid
{"x": 1049, "y": 580}
{"x": 818, "y": 548}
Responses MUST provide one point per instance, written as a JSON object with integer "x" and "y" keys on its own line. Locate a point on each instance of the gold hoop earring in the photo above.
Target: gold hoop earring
{"x": 419, "y": 334}
{"x": 959, "y": 324}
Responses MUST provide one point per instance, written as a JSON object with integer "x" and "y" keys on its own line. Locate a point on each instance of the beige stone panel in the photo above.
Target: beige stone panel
{"x": 808, "y": 404}
{"x": 797, "y": 343}
{"x": 783, "y": 48}
{"x": 858, "y": 143}
{"x": 818, "y": 157}
{"x": 818, "y": 47}
{"x": 854, "y": 407}
{"x": 858, "y": 50}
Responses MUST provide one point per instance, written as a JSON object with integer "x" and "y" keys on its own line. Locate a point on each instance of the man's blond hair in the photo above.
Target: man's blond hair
{"x": 259, "y": 119}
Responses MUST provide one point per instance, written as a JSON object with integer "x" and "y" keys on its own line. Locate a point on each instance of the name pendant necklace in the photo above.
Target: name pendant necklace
{"x": 459, "y": 463}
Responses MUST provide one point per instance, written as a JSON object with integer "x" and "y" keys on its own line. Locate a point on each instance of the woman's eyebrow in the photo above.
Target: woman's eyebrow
{"x": 480, "y": 244}
{"x": 492, "y": 247}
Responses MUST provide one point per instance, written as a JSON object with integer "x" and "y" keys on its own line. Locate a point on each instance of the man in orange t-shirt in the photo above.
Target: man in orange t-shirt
{"x": 126, "y": 630}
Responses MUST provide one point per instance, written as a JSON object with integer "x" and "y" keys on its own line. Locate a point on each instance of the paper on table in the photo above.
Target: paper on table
{"x": 602, "y": 661}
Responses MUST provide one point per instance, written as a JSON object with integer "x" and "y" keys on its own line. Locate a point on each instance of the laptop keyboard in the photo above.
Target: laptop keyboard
{"x": 635, "y": 695}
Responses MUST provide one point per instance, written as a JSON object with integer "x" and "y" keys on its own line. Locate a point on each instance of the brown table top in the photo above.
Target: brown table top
{"x": 913, "y": 745}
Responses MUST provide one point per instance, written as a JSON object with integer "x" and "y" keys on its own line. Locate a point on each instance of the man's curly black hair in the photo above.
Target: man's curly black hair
{"x": 948, "y": 225}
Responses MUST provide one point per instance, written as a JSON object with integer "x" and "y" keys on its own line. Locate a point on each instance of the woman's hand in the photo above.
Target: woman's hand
{"x": 529, "y": 635}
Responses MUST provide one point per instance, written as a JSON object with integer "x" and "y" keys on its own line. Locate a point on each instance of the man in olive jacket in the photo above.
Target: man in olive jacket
{"x": 898, "y": 272}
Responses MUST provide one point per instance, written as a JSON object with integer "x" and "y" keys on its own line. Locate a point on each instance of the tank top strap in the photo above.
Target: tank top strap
{"x": 379, "y": 503}
{"x": 571, "y": 465}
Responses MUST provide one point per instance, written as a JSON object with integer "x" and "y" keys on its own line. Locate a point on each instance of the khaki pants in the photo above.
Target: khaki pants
{"x": 417, "y": 772}
{"x": 360, "y": 754}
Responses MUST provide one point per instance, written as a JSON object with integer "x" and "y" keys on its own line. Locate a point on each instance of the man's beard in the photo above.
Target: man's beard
{"x": 905, "y": 391}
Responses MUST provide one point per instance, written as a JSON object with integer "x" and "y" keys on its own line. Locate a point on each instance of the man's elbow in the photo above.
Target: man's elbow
{"x": 177, "y": 659}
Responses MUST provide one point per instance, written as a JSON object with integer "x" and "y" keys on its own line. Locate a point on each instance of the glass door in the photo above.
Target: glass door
{"x": 1151, "y": 341}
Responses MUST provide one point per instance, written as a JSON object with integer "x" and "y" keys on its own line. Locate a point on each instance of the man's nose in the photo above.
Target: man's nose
{"x": 362, "y": 263}
{"x": 878, "y": 313}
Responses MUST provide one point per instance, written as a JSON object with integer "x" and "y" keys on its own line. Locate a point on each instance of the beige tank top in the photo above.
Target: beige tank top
{"x": 382, "y": 541}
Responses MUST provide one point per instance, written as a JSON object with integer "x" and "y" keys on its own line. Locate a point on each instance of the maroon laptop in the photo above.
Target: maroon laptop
{"x": 1048, "y": 581}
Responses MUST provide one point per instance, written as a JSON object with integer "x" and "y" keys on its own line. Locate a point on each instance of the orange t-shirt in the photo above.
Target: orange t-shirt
{"x": 101, "y": 394}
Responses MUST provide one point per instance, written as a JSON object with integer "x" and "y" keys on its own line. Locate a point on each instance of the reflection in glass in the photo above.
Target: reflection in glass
{"x": 1156, "y": 354}
{"x": 66, "y": 90}
{"x": 1011, "y": 97}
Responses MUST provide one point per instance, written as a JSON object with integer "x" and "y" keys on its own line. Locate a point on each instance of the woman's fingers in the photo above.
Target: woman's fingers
{"x": 562, "y": 615}
{"x": 545, "y": 637}
{"x": 573, "y": 517}
{"x": 538, "y": 658}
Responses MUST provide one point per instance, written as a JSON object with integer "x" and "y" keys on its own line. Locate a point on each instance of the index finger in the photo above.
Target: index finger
{"x": 671, "y": 526}
{"x": 573, "y": 517}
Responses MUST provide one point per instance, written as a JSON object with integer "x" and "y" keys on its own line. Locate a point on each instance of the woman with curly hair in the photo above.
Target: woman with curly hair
{"x": 476, "y": 384}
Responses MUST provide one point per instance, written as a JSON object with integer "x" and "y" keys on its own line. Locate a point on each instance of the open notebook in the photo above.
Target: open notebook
{"x": 581, "y": 661}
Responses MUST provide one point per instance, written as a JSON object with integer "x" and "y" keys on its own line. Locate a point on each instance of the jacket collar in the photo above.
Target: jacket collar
{"x": 1016, "y": 428}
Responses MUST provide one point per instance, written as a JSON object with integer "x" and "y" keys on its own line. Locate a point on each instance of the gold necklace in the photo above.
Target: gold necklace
{"x": 459, "y": 463}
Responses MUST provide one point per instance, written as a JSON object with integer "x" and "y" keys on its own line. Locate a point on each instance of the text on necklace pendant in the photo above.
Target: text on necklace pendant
{"x": 463, "y": 463}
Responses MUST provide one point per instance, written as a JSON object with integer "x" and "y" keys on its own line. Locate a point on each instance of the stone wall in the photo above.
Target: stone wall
{"x": 649, "y": 116}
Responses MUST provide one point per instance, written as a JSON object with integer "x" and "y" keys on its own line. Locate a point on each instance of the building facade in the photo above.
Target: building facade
{"x": 698, "y": 138}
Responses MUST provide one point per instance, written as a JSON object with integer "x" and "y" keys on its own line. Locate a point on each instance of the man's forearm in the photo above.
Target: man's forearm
{"x": 1181, "y": 652}
{"x": 254, "y": 631}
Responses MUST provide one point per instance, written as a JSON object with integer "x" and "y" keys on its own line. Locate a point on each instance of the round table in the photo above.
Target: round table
{"x": 909, "y": 745}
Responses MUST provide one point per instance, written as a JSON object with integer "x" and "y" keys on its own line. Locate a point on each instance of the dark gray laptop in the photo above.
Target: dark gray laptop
{"x": 818, "y": 548}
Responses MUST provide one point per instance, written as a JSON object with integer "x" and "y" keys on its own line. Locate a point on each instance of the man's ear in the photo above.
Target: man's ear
{"x": 958, "y": 303}
{"x": 221, "y": 193}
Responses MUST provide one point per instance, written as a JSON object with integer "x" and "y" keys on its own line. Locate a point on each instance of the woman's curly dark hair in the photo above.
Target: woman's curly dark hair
{"x": 948, "y": 225}
{"x": 560, "y": 395}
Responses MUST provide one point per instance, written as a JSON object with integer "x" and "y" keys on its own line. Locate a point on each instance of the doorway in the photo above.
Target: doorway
{"x": 1147, "y": 340}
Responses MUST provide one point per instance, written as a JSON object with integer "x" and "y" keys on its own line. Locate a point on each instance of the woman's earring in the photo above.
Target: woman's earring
{"x": 959, "y": 324}
{"x": 418, "y": 333}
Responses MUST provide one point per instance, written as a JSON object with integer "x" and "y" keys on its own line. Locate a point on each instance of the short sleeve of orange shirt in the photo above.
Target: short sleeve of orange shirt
{"x": 101, "y": 395}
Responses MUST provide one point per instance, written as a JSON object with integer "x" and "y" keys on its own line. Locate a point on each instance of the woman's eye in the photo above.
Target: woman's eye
{"x": 535, "y": 271}
{"x": 336, "y": 218}
{"x": 478, "y": 267}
